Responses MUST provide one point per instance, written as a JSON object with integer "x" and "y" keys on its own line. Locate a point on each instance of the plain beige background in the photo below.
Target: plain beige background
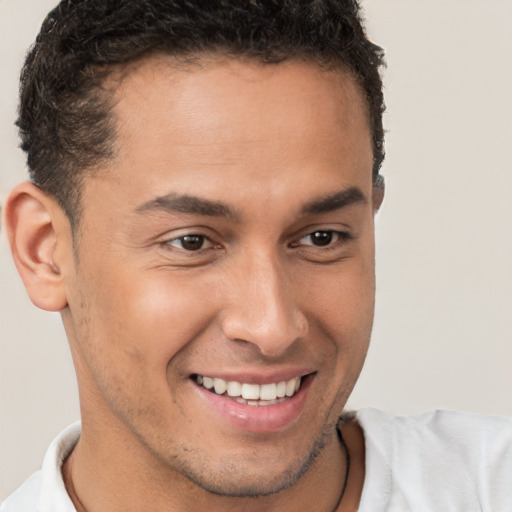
{"x": 443, "y": 328}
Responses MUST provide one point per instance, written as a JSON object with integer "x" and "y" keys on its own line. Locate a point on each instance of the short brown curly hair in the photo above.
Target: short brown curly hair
{"x": 65, "y": 119}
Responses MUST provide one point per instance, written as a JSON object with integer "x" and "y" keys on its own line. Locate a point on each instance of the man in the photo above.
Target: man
{"x": 205, "y": 177}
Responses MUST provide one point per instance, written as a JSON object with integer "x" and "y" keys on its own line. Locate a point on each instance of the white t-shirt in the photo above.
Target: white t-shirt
{"x": 44, "y": 490}
{"x": 441, "y": 461}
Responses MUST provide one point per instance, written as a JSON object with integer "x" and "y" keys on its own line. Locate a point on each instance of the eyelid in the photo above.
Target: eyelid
{"x": 206, "y": 240}
{"x": 339, "y": 235}
{"x": 179, "y": 232}
{"x": 170, "y": 240}
{"x": 336, "y": 236}
{"x": 176, "y": 256}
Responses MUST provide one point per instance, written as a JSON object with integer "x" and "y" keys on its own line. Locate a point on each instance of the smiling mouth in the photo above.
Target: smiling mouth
{"x": 251, "y": 394}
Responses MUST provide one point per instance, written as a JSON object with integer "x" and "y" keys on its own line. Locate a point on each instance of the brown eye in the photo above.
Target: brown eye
{"x": 320, "y": 238}
{"x": 190, "y": 242}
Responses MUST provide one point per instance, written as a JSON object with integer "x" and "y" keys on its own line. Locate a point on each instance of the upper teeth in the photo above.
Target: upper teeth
{"x": 250, "y": 391}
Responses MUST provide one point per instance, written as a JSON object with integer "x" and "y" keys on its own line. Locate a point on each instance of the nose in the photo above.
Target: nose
{"x": 262, "y": 307}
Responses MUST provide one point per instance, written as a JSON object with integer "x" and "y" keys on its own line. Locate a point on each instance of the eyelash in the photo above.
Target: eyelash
{"x": 182, "y": 239}
{"x": 339, "y": 238}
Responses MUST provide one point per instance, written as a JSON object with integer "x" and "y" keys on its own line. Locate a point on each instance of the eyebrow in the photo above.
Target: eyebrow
{"x": 193, "y": 205}
{"x": 189, "y": 205}
{"x": 335, "y": 201}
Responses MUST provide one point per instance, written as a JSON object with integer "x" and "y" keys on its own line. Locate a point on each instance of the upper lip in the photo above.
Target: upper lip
{"x": 257, "y": 377}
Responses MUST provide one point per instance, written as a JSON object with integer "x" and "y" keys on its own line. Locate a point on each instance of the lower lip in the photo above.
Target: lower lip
{"x": 258, "y": 418}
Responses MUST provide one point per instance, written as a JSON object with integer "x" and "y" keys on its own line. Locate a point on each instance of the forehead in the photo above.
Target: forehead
{"x": 243, "y": 123}
{"x": 213, "y": 94}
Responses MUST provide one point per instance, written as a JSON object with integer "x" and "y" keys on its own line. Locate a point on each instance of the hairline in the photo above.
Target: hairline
{"x": 114, "y": 76}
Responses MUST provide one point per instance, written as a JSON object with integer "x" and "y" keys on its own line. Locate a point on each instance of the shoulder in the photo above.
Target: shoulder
{"x": 26, "y": 497}
{"x": 441, "y": 424}
{"x": 447, "y": 459}
{"x": 44, "y": 490}
{"x": 445, "y": 433}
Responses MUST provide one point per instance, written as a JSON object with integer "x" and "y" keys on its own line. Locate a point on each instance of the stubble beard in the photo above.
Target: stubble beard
{"x": 223, "y": 484}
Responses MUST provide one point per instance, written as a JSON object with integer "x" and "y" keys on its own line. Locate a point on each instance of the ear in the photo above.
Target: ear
{"x": 40, "y": 238}
{"x": 378, "y": 192}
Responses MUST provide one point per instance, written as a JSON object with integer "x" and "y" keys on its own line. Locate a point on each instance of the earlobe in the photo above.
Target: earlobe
{"x": 37, "y": 230}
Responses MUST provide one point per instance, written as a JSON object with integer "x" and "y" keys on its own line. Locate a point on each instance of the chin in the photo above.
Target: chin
{"x": 254, "y": 479}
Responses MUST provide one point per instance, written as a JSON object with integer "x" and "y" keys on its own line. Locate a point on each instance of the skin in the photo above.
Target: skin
{"x": 143, "y": 314}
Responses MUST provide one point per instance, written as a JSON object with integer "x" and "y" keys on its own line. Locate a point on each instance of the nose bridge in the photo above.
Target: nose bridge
{"x": 264, "y": 310}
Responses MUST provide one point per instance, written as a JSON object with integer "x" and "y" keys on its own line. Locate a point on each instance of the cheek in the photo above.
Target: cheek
{"x": 153, "y": 317}
{"x": 128, "y": 331}
{"x": 343, "y": 296}
{"x": 340, "y": 306}
{"x": 130, "y": 324}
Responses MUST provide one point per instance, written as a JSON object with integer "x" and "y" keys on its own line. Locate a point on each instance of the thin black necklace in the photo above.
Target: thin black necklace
{"x": 347, "y": 467}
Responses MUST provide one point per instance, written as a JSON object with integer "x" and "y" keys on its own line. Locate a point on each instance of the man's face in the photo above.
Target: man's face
{"x": 231, "y": 239}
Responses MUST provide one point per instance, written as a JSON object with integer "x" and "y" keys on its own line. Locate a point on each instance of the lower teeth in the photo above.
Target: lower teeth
{"x": 258, "y": 403}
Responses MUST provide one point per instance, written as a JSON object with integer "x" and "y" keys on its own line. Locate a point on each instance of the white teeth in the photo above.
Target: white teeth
{"x": 259, "y": 403}
{"x": 250, "y": 391}
{"x": 251, "y": 394}
{"x": 220, "y": 386}
{"x": 207, "y": 382}
{"x": 234, "y": 388}
{"x": 268, "y": 392}
{"x": 291, "y": 385}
